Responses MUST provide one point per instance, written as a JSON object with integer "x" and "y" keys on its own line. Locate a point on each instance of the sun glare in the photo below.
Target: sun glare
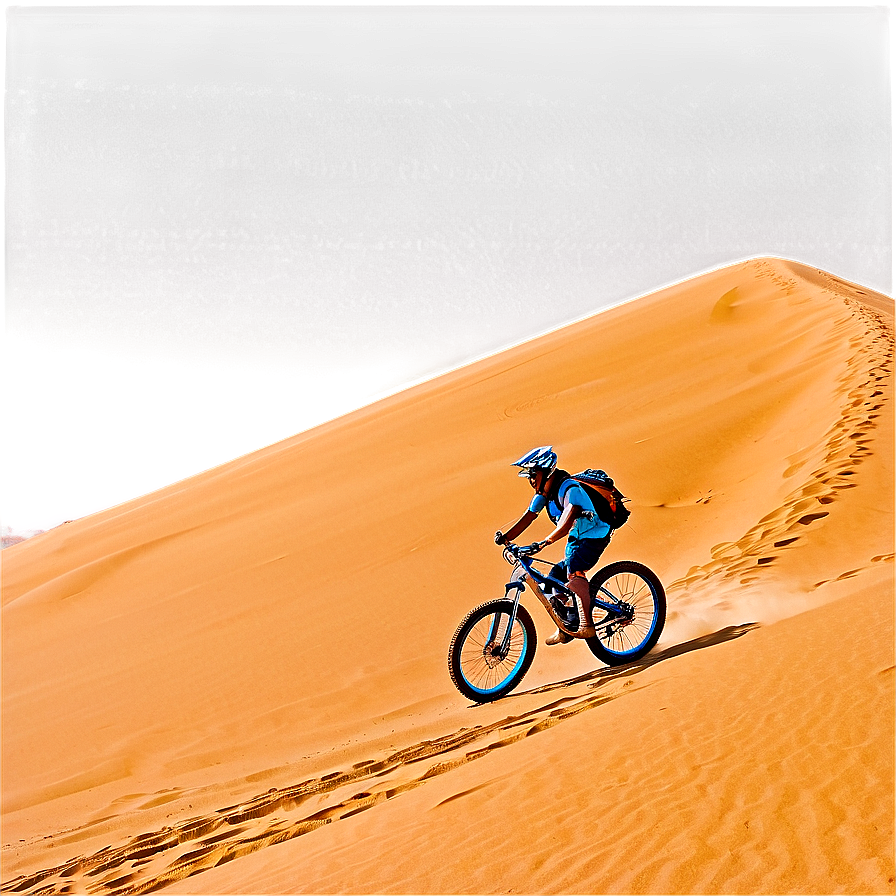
{"x": 52, "y": 483}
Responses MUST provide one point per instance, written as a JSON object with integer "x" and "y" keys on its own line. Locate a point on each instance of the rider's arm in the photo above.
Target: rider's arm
{"x": 567, "y": 519}
{"x": 520, "y": 525}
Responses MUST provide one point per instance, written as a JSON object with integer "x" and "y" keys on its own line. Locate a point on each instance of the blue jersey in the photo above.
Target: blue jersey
{"x": 570, "y": 492}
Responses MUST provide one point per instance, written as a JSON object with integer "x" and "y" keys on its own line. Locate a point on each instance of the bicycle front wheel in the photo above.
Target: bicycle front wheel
{"x": 639, "y": 594}
{"x": 479, "y": 668}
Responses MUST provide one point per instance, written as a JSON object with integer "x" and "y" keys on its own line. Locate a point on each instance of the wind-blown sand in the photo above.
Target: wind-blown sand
{"x": 247, "y": 669}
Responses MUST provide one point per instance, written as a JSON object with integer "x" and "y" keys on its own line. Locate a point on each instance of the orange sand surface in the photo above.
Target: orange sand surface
{"x": 238, "y": 683}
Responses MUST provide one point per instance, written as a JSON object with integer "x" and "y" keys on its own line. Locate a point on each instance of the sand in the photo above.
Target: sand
{"x": 238, "y": 683}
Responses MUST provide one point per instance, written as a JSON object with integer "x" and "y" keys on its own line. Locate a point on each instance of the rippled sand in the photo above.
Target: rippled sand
{"x": 238, "y": 684}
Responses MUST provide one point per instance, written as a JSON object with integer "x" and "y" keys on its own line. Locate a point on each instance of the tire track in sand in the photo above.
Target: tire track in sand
{"x": 155, "y": 859}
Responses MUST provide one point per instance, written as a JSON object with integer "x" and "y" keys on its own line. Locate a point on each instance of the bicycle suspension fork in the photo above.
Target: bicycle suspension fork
{"x": 504, "y": 647}
{"x": 519, "y": 585}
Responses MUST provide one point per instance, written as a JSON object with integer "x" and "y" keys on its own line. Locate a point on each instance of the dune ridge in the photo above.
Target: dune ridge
{"x": 825, "y": 469}
{"x": 174, "y": 697}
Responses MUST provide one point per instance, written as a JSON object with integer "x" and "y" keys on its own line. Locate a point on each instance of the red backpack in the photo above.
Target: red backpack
{"x": 608, "y": 501}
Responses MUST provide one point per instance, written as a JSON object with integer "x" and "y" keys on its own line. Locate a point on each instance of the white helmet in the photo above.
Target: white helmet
{"x": 542, "y": 458}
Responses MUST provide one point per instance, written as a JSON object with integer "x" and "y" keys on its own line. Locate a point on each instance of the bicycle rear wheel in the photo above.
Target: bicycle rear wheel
{"x": 477, "y": 667}
{"x": 637, "y": 590}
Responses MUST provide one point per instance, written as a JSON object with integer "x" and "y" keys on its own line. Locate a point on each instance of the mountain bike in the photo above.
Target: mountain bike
{"x": 494, "y": 645}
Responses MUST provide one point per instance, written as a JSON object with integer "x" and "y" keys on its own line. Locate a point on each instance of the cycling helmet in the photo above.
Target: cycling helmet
{"x": 542, "y": 458}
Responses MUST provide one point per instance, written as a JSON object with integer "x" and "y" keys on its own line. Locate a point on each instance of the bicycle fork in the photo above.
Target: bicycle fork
{"x": 518, "y": 585}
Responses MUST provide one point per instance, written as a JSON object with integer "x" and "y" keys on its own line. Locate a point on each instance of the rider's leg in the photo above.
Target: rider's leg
{"x": 578, "y": 584}
{"x": 558, "y": 571}
{"x": 583, "y": 555}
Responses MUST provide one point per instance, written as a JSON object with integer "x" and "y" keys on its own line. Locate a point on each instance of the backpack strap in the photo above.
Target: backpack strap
{"x": 565, "y": 487}
{"x": 553, "y": 493}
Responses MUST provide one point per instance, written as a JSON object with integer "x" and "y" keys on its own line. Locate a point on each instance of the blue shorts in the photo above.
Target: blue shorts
{"x": 580, "y": 556}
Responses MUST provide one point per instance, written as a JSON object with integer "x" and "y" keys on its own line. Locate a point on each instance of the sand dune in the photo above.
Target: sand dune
{"x": 238, "y": 684}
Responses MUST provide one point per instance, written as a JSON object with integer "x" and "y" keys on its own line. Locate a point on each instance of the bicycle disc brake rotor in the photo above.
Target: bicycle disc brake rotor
{"x": 492, "y": 654}
{"x": 626, "y": 616}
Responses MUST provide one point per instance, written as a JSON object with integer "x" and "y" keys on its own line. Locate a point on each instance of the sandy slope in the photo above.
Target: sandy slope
{"x": 258, "y": 653}
{"x": 767, "y": 778}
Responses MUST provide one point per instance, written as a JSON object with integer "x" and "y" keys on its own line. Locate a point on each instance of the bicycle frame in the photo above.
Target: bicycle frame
{"x": 494, "y": 645}
{"x": 525, "y": 574}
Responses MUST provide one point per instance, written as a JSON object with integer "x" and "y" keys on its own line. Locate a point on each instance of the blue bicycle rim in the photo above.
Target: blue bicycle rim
{"x": 503, "y": 682}
{"x": 649, "y": 632}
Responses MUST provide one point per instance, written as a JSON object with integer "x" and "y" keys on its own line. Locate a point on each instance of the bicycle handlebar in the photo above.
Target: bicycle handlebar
{"x": 517, "y": 552}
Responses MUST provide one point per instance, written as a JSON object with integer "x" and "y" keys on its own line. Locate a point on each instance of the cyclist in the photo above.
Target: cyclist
{"x": 571, "y": 511}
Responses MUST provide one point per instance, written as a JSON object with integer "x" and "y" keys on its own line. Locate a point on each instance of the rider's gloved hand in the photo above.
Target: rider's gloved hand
{"x": 499, "y": 537}
{"x": 533, "y": 548}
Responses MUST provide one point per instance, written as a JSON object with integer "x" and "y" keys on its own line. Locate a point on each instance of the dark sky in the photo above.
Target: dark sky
{"x": 404, "y": 168}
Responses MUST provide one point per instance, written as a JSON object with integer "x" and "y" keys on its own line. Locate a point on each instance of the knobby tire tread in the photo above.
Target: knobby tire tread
{"x": 463, "y": 630}
{"x": 629, "y": 566}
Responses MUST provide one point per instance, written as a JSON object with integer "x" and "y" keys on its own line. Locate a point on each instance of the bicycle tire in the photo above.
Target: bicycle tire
{"x": 476, "y": 674}
{"x": 639, "y": 586}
